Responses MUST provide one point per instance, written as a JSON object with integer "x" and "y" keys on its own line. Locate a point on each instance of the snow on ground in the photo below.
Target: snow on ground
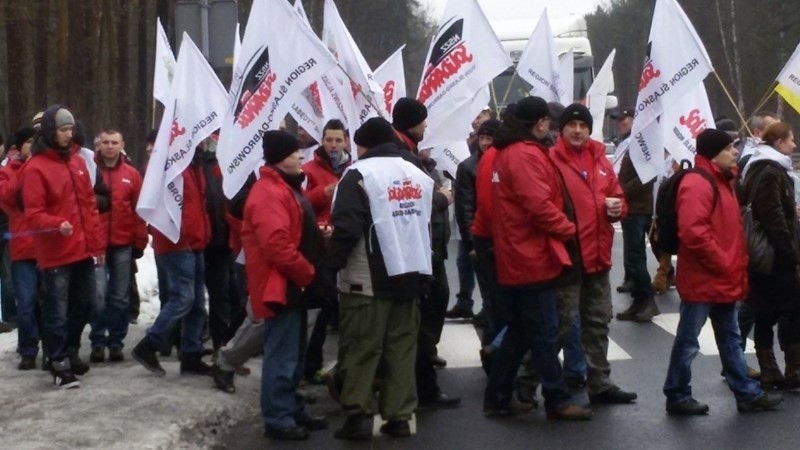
{"x": 120, "y": 405}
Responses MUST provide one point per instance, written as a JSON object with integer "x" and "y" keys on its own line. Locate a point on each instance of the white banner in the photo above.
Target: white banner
{"x": 684, "y": 120}
{"x": 237, "y": 45}
{"x": 391, "y": 76}
{"x": 448, "y": 157}
{"x": 566, "y": 63}
{"x": 307, "y": 107}
{"x": 365, "y": 91}
{"x": 676, "y": 62}
{"x": 464, "y": 57}
{"x": 539, "y": 65}
{"x": 646, "y": 148}
{"x": 188, "y": 119}
{"x": 164, "y": 65}
{"x": 597, "y": 94}
{"x": 789, "y": 80}
{"x": 280, "y": 57}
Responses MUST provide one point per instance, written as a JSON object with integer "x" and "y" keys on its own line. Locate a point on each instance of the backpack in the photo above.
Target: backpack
{"x": 666, "y": 220}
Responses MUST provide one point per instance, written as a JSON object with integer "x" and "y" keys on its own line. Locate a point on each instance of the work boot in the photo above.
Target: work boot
{"x": 396, "y": 428}
{"x": 648, "y": 311}
{"x": 192, "y": 364}
{"x": 765, "y": 402}
{"x": 63, "y": 376}
{"x": 223, "y": 379}
{"x": 661, "y": 280}
{"x": 613, "y": 396}
{"x": 145, "y": 354}
{"x": 79, "y": 366}
{"x": 459, "y": 312}
{"x": 630, "y": 313}
{"x": 98, "y": 355}
{"x": 771, "y": 376}
{"x": 625, "y": 287}
{"x": 690, "y": 407}
{"x": 356, "y": 428}
{"x": 792, "y": 373}
{"x": 28, "y": 363}
{"x": 115, "y": 354}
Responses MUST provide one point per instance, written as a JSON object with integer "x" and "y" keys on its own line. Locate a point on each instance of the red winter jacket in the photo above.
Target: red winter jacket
{"x": 271, "y": 233}
{"x": 195, "y": 226}
{"x": 529, "y": 226}
{"x": 21, "y": 240}
{"x": 55, "y": 190}
{"x": 588, "y": 195}
{"x": 712, "y": 257}
{"x": 121, "y": 225}
{"x": 482, "y": 223}
{"x": 319, "y": 175}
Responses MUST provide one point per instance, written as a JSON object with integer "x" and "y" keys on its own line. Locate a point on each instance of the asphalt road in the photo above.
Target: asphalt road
{"x": 639, "y": 357}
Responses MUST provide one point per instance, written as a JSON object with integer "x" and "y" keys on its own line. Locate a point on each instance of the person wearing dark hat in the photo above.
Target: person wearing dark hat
{"x": 711, "y": 277}
{"x": 465, "y": 204}
{"x": 534, "y": 237}
{"x": 61, "y": 212}
{"x": 624, "y": 118}
{"x": 598, "y": 202}
{"x": 380, "y": 248}
{"x": 409, "y": 121}
{"x": 281, "y": 241}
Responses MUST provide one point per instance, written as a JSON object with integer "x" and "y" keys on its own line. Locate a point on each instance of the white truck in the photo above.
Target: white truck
{"x": 570, "y": 33}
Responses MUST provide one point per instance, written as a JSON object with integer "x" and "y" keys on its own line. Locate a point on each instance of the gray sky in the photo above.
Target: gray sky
{"x": 520, "y": 9}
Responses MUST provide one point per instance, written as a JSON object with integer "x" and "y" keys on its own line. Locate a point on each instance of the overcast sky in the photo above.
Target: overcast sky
{"x": 521, "y": 9}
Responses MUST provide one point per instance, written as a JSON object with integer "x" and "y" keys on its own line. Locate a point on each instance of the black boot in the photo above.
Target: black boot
{"x": 145, "y": 354}
{"x": 192, "y": 364}
{"x": 63, "y": 376}
{"x": 356, "y": 428}
{"x": 223, "y": 379}
{"x": 771, "y": 376}
{"x": 28, "y": 363}
{"x": 79, "y": 367}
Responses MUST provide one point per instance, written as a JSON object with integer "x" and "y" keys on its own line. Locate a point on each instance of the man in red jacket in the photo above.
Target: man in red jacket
{"x": 598, "y": 201}
{"x": 60, "y": 208}
{"x": 711, "y": 278}
{"x": 530, "y": 231}
{"x": 183, "y": 268}
{"x": 125, "y": 235}
{"x": 281, "y": 239}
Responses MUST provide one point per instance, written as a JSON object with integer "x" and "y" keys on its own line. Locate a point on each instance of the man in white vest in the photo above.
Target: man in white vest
{"x": 381, "y": 249}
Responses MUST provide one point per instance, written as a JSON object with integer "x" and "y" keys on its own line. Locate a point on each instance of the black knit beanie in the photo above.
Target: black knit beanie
{"x": 408, "y": 113}
{"x": 711, "y": 142}
{"x": 374, "y": 132}
{"x": 576, "y": 111}
{"x": 278, "y": 145}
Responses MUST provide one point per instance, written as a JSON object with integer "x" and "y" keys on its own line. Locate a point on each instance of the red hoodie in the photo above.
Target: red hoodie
{"x": 121, "y": 225}
{"x": 21, "y": 239}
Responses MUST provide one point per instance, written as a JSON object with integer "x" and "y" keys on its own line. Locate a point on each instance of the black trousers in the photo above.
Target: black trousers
{"x": 432, "y": 308}
{"x": 221, "y": 292}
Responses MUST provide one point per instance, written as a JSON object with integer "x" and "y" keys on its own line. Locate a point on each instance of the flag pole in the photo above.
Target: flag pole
{"x": 762, "y": 103}
{"x": 369, "y": 99}
{"x": 733, "y": 103}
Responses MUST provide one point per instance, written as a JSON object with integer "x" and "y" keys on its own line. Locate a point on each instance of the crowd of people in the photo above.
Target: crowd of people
{"x": 360, "y": 230}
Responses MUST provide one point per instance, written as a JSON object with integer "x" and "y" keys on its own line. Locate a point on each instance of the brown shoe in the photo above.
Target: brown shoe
{"x": 630, "y": 313}
{"x": 570, "y": 412}
{"x": 648, "y": 310}
{"x": 771, "y": 376}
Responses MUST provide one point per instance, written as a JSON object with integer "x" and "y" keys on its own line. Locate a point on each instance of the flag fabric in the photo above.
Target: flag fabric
{"x": 449, "y": 155}
{"x": 684, "y": 120}
{"x": 164, "y": 65}
{"x": 676, "y": 62}
{"x": 598, "y": 93}
{"x": 566, "y": 63}
{"x": 539, "y": 66}
{"x": 365, "y": 91}
{"x": 188, "y": 119}
{"x": 789, "y": 81}
{"x": 307, "y": 107}
{"x": 391, "y": 76}
{"x": 280, "y": 57}
{"x": 464, "y": 57}
{"x": 237, "y": 45}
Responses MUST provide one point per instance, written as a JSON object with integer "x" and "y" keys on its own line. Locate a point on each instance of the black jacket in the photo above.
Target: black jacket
{"x": 440, "y": 219}
{"x": 465, "y": 196}
{"x": 638, "y": 196}
{"x": 772, "y": 193}
{"x": 353, "y": 232}
{"x": 215, "y": 200}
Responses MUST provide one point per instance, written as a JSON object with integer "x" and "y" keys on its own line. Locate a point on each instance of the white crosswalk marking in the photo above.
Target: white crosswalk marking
{"x": 708, "y": 345}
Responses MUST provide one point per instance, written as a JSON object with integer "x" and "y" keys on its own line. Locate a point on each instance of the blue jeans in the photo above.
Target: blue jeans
{"x": 112, "y": 314}
{"x": 26, "y": 278}
{"x": 282, "y": 369}
{"x": 685, "y": 348}
{"x": 534, "y": 326}
{"x": 186, "y": 304}
{"x": 69, "y": 298}
{"x": 466, "y": 277}
{"x": 574, "y": 361}
{"x": 634, "y": 251}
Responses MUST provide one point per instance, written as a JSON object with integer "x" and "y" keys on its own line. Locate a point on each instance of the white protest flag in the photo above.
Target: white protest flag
{"x": 676, "y": 63}
{"x": 280, "y": 57}
{"x": 538, "y": 64}
{"x": 391, "y": 76}
{"x": 464, "y": 57}
{"x": 789, "y": 81}
{"x": 597, "y": 94}
{"x": 165, "y": 65}
{"x": 194, "y": 110}
{"x": 566, "y": 64}
{"x": 237, "y": 45}
{"x": 366, "y": 92}
{"x": 307, "y": 107}
{"x": 683, "y": 120}
{"x": 450, "y": 154}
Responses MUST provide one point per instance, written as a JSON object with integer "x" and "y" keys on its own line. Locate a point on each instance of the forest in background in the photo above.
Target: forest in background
{"x": 96, "y": 56}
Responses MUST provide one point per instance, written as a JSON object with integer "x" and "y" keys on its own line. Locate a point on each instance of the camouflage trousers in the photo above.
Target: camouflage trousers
{"x": 592, "y": 298}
